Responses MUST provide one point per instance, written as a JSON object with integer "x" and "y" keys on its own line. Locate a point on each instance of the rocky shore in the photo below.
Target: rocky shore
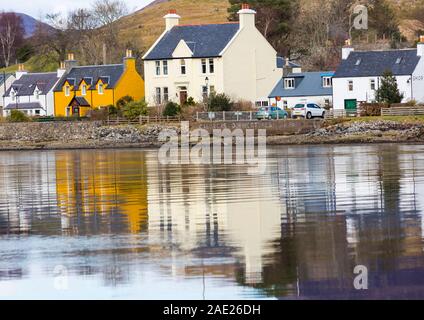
{"x": 94, "y": 135}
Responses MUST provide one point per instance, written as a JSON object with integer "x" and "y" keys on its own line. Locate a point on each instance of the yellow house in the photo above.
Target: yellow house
{"x": 83, "y": 88}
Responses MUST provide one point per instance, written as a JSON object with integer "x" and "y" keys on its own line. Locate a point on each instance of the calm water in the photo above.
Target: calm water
{"x": 116, "y": 224}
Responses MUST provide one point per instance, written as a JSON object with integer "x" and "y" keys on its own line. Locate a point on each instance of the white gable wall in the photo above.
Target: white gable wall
{"x": 418, "y": 82}
{"x": 6, "y": 86}
{"x": 250, "y": 69}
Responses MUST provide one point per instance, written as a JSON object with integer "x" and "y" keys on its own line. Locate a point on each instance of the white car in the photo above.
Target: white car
{"x": 308, "y": 111}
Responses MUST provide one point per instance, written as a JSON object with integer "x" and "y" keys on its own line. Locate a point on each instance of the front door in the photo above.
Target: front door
{"x": 351, "y": 105}
{"x": 183, "y": 97}
{"x": 76, "y": 111}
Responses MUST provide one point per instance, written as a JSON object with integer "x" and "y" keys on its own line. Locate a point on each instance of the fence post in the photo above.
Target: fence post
{"x": 197, "y": 116}
{"x": 223, "y": 115}
{"x": 251, "y": 115}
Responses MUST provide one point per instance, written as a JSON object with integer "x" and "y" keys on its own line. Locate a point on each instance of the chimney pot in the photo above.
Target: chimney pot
{"x": 422, "y": 39}
{"x": 245, "y": 6}
{"x": 173, "y": 11}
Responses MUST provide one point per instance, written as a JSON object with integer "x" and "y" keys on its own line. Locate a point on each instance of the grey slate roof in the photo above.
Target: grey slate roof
{"x": 23, "y": 106}
{"x": 281, "y": 61}
{"x": 26, "y": 85}
{"x": 375, "y": 63}
{"x": 109, "y": 74}
{"x": 204, "y": 40}
{"x": 81, "y": 101}
{"x": 306, "y": 84}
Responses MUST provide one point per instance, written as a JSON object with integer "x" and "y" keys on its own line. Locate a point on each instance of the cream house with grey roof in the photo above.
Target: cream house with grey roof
{"x": 195, "y": 60}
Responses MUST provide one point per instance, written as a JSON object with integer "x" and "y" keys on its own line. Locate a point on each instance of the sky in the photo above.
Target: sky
{"x": 39, "y": 8}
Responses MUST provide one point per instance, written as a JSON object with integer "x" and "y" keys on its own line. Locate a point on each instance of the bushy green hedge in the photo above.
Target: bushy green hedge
{"x": 171, "y": 109}
{"x": 135, "y": 109}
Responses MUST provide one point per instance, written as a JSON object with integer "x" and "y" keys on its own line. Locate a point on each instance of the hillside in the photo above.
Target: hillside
{"x": 30, "y": 24}
{"x": 147, "y": 24}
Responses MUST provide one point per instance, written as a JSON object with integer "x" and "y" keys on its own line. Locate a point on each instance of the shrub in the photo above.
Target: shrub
{"x": 98, "y": 114}
{"x": 121, "y": 103}
{"x": 371, "y": 109}
{"x": 189, "y": 113}
{"x": 219, "y": 102}
{"x": 135, "y": 109}
{"x": 243, "y": 105}
{"x": 113, "y": 110}
{"x": 190, "y": 102}
{"x": 17, "y": 116}
{"x": 171, "y": 109}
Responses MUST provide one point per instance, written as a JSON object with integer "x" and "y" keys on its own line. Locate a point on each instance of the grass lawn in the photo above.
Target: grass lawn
{"x": 408, "y": 119}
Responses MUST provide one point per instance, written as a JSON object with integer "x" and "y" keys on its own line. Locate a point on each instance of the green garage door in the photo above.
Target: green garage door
{"x": 351, "y": 104}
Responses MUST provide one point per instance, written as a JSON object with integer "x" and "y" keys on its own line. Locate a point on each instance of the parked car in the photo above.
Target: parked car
{"x": 271, "y": 113}
{"x": 308, "y": 111}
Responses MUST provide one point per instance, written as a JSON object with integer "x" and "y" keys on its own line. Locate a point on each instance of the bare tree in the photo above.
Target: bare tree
{"x": 11, "y": 35}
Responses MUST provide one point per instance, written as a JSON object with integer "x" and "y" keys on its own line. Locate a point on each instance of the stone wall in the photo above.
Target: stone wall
{"x": 273, "y": 128}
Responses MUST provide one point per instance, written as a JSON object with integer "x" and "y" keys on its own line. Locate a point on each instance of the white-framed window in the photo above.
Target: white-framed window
{"x": 165, "y": 94}
{"x": 183, "y": 66}
{"x": 289, "y": 83}
{"x": 211, "y": 66}
{"x": 285, "y": 104}
{"x": 157, "y": 63}
{"x": 204, "y": 66}
{"x": 13, "y": 95}
{"x": 37, "y": 112}
{"x": 327, "y": 82}
{"x": 158, "y": 96}
{"x": 101, "y": 88}
{"x": 327, "y": 102}
{"x": 372, "y": 84}
{"x": 84, "y": 90}
{"x": 67, "y": 91}
{"x": 165, "y": 67}
{"x": 350, "y": 85}
{"x": 37, "y": 94}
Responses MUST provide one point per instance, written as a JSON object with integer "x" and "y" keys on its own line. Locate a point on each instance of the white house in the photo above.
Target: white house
{"x": 6, "y": 80}
{"x": 297, "y": 86}
{"x": 195, "y": 60}
{"x": 359, "y": 75}
{"x": 32, "y": 93}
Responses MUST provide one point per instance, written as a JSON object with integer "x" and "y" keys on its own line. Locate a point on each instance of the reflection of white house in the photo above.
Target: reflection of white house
{"x": 359, "y": 75}
{"x": 208, "y": 218}
{"x": 195, "y": 60}
{"x": 31, "y": 93}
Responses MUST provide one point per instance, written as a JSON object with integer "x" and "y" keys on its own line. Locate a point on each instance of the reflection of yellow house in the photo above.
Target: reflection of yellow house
{"x": 103, "y": 183}
{"x": 90, "y": 87}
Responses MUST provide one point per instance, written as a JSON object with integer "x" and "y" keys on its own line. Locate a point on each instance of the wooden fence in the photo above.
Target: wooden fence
{"x": 403, "y": 111}
{"x": 141, "y": 120}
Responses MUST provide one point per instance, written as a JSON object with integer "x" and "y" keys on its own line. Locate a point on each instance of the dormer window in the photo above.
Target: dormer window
{"x": 83, "y": 90}
{"x": 327, "y": 82}
{"x": 67, "y": 90}
{"x": 183, "y": 66}
{"x": 37, "y": 94}
{"x": 289, "y": 83}
{"x": 101, "y": 88}
{"x": 13, "y": 95}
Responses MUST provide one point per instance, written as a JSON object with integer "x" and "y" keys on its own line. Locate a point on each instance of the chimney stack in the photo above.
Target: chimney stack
{"x": 129, "y": 60}
{"x": 21, "y": 71}
{"x": 420, "y": 47}
{"x": 172, "y": 19}
{"x": 347, "y": 49}
{"x": 62, "y": 70}
{"x": 247, "y": 17}
{"x": 70, "y": 62}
